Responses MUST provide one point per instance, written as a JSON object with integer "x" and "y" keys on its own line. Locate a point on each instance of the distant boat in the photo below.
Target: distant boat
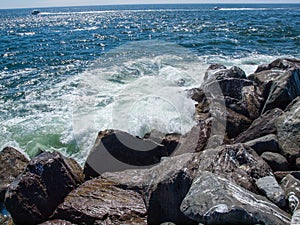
{"x": 35, "y": 12}
{"x": 217, "y": 8}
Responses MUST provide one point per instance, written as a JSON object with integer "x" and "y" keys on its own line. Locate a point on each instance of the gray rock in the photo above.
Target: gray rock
{"x": 291, "y": 187}
{"x": 163, "y": 187}
{"x": 288, "y": 130}
{"x": 283, "y": 90}
{"x": 214, "y": 200}
{"x": 239, "y": 94}
{"x": 276, "y": 161}
{"x": 272, "y": 190}
{"x": 237, "y": 163}
{"x": 12, "y": 164}
{"x": 99, "y": 201}
{"x": 263, "y": 125}
{"x": 33, "y": 196}
{"x": 268, "y": 143}
{"x": 279, "y": 82}
{"x": 57, "y": 222}
{"x": 296, "y": 218}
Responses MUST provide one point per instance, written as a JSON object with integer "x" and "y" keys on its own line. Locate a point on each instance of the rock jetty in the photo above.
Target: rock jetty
{"x": 240, "y": 163}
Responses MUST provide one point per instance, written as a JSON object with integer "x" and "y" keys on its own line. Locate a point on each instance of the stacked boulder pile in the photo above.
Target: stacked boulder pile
{"x": 245, "y": 170}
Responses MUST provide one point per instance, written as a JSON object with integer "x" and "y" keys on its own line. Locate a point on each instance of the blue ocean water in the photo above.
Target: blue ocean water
{"x": 69, "y": 72}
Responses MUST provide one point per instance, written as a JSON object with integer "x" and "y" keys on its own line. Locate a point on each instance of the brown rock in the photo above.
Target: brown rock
{"x": 34, "y": 195}
{"x": 281, "y": 174}
{"x": 12, "y": 164}
{"x": 100, "y": 201}
{"x": 163, "y": 187}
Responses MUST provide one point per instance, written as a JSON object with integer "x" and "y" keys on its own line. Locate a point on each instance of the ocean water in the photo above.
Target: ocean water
{"x": 68, "y": 73}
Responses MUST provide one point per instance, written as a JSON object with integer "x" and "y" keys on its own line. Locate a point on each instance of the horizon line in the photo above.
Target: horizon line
{"x": 141, "y": 4}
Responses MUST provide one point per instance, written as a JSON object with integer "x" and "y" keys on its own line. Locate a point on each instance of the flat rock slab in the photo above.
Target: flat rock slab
{"x": 214, "y": 200}
{"x": 99, "y": 201}
{"x": 272, "y": 190}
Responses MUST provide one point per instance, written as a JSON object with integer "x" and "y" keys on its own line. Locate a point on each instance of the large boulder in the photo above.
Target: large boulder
{"x": 215, "y": 200}
{"x": 12, "y": 164}
{"x": 231, "y": 88}
{"x": 116, "y": 150}
{"x": 263, "y": 125}
{"x": 33, "y": 196}
{"x": 279, "y": 82}
{"x": 100, "y": 201}
{"x": 288, "y": 130}
{"x": 238, "y": 163}
{"x": 163, "y": 187}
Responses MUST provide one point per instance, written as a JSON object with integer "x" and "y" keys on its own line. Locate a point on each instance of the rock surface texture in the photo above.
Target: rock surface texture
{"x": 12, "y": 164}
{"x": 33, "y": 196}
{"x": 213, "y": 200}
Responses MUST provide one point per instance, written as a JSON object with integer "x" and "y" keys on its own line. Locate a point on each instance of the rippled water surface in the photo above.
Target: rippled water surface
{"x": 69, "y": 72}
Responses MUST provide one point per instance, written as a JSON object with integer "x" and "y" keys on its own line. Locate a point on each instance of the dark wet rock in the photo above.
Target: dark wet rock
{"x": 291, "y": 185}
{"x": 272, "y": 190}
{"x": 33, "y": 196}
{"x": 214, "y": 200}
{"x": 279, "y": 82}
{"x": 280, "y": 64}
{"x": 263, "y": 125}
{"x": 117, "y": 150}
{"x": 297, "y": 163}
{"x": 12, "y": 164}
{"x": 288, "y": 130}
{"x": 281, "y": 174}
{"x": 238, "y": 163}
{"x": 57, "y": 222}
{"x": 234, "y": 97}
{"x": 268, "y": 143}
{"x": 100, "y": 201}
{"x": 163, "y": 187}
{"x": 283, "y": 90}
{"x": 276, "y": 161}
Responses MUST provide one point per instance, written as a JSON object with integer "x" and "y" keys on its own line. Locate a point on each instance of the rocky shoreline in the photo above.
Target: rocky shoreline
{"x": 240, "y": 164}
